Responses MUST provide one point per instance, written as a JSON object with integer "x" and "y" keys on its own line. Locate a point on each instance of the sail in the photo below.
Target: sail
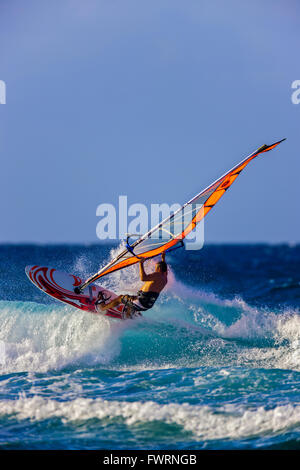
{"x": 169, "y": 233}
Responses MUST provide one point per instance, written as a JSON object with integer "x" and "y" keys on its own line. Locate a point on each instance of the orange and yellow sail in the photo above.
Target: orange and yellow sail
{"x": 177, "y": 226}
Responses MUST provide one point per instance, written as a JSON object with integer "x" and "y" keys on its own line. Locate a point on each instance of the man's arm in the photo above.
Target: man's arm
{"x": 143, "y": 276}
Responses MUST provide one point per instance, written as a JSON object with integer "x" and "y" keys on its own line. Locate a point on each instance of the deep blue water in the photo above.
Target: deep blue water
{"x": 214, "y": 365}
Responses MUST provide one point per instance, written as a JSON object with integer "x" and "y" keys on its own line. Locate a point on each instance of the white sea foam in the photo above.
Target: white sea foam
{"x": 231, "y": 422}
{"x": 39, "y": 337}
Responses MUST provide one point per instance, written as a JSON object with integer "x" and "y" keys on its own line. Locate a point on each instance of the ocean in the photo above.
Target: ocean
{"x": 214, "y": 365}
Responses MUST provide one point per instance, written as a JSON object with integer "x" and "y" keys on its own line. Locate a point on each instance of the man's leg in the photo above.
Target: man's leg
{"x": 113, "y": 303}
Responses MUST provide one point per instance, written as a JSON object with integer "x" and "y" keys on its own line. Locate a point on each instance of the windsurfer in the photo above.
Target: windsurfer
{"x": 146, "y": 296}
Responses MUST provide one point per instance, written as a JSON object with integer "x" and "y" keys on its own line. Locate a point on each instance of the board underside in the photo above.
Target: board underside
{"x": 61, "y": 286}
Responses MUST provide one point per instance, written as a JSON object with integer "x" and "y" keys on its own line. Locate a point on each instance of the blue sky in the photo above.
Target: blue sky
{"x": 153, "y": 100}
